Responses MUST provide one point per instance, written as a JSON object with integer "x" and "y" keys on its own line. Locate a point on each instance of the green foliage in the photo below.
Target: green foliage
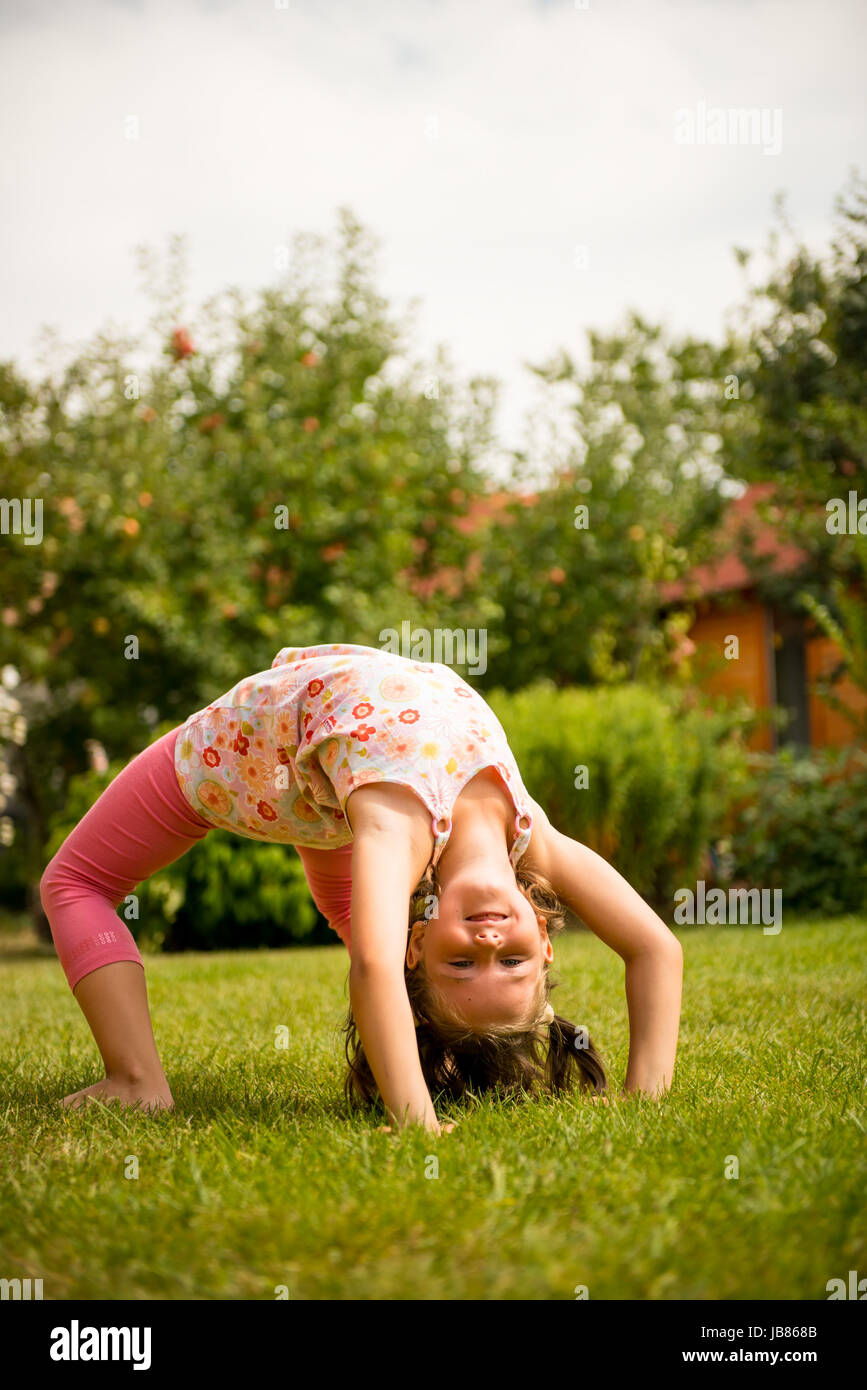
{"x": 580, "y": 590}
{"x": 803, "y": 829}
{"x": 659, "y": 777}
{"x": 800, "y": 419}
{"x": 239, "y": 893}
{"x": 849, "y": 631}
{"x": 279, "y": 471}
{"x": 227, "y": 892}
{"x": 800, "y": 416}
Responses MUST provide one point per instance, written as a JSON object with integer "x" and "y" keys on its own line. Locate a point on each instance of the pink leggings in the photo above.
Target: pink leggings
{"x": 141, "y": 823}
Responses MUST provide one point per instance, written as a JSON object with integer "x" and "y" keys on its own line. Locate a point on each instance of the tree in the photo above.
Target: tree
{"x": 278, "y": 472}
{"x": 800, "y": 356}
{"x": 576, "y": 567}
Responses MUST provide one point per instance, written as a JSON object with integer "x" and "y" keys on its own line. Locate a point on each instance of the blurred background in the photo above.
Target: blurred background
{"x": 546, "y": 320}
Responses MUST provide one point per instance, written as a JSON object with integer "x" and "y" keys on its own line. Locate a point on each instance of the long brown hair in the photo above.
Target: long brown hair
{"x": 457, "y": 1060}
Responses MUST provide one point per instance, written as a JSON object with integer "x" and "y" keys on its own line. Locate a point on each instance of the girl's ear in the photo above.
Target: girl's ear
{"x": 416, "y": 943}
{"x": 549, "y": 949}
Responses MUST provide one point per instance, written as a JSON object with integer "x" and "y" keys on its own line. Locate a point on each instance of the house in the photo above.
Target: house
{"x": 779, "y": 654}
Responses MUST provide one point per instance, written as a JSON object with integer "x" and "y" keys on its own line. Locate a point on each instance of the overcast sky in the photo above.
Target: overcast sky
{"x": 486, "y": 142}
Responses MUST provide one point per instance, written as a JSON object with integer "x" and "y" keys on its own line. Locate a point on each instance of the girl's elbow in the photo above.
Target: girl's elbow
{"x": 672, "y": 944}
{"x": 663, "y": 946}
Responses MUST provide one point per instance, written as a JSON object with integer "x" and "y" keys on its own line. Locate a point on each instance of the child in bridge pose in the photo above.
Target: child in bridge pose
{"x": 394, "y": 781}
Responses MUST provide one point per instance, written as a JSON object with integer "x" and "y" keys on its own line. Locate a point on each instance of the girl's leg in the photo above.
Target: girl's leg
{"x": 114, "y": 1001}
{"x": 329, "y": 878}
{"x": 141, "y": 823}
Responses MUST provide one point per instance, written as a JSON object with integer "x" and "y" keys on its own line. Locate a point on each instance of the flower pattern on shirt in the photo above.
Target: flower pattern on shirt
{"x": 276, "y": 757}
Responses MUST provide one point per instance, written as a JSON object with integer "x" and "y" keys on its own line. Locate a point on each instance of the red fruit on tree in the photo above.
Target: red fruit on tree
{"x": 181, "y": 344}
{"x": 210, "y": 422}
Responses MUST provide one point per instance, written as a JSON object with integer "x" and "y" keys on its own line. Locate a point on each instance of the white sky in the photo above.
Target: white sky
{"x": 481, "y": 142}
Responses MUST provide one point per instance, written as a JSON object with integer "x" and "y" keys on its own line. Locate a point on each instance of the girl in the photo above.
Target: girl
{"x": 394, "y": 781}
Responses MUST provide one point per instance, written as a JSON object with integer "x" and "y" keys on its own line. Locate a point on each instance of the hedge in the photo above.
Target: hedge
{"x": 630, "y": 772}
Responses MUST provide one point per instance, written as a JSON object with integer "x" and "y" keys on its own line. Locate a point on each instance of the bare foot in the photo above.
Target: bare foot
{"x": 142, "y": 1095}
{"x": 443, "y": 1129}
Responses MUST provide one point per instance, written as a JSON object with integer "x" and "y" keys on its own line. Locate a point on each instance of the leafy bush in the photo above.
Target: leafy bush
{"x": 802, "y": 828}
{"x": 659, "y": 776}
{"x": 240, "y": 893}
{"x": 226, "y": 892}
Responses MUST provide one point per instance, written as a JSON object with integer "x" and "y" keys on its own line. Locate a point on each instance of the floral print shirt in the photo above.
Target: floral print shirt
{"x": 277, "y": 756}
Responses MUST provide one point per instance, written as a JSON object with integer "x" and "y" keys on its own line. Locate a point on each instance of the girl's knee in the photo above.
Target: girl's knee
{"x": 49, "y": 883}
{"x": 58, "y": 877}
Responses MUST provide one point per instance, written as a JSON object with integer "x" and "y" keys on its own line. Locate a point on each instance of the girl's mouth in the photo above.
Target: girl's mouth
{"x": 487, "y": 917}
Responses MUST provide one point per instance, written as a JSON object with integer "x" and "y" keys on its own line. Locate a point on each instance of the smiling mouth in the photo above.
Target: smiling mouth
{"x": 487, "y": 917}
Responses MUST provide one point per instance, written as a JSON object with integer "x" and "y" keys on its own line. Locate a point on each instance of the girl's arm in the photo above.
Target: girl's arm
{"x": 620, "y": 917}
{"x": 388, "y": 859}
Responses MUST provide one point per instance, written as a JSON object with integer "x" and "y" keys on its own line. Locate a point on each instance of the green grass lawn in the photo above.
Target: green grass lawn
{"x": 260, "y": 1178}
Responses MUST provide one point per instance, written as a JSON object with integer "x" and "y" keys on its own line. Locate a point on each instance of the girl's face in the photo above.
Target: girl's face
{"x": 485, "y": 947}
